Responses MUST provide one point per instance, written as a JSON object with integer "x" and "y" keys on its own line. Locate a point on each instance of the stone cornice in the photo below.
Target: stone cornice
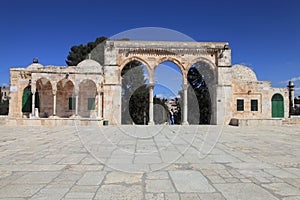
{"x": 165, "y": 52}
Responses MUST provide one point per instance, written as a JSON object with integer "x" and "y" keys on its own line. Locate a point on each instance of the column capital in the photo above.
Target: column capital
{"x": 151, "y": 85}
{"x": 76, "y": 92}
{"x": 33, "y": 88}
{"x": 185, "y": 86}
{"x": 99, "y": 91}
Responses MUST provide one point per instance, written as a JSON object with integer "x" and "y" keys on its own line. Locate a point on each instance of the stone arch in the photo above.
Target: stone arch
{"x": 176, "y": 62}
{"x": 168, "y": 78}
{"x": 134, "y": 58}
{"x": 87, "y": 99}
{"x": 210, "y": 96}
{"x": 44, "y": 90}
{"x": 65, "y": 98}
{"x": 205, "y": 60}
{"x": 133, "y": 90}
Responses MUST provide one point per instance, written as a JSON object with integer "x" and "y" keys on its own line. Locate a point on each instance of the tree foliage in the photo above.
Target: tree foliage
{"x": 80, "y": 52}
{"x": 199, "y": 96}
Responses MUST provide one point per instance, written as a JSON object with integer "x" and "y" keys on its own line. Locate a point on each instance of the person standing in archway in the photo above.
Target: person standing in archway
{"x": 171, "y": 113}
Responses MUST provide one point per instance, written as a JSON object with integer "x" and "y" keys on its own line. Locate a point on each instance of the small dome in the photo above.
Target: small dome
{"x": 89, "y": 65}
{"x": 243, "y": 73}
{"x": 34, "y": 66}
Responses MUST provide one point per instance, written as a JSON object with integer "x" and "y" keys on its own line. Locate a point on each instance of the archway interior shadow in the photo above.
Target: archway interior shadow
{"x": 200, "y": 78}
{"x": 135, "y": 94}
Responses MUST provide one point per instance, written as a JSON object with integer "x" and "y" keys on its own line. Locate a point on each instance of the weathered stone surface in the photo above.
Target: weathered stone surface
{"x": 249, "y": 191}
{"x": 19, "y": 190}
{"x": 91, "y": 178}
{"x": 159, "y": 186}
{"x": 116, "y": 177}
{"x": 119, "y": 192}
{"x": 190, "y": 181}
{"x": 283, "y": 189}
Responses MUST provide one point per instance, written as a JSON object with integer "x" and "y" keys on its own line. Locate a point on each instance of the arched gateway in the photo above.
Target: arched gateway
{"x": 93, "y": 88}
{"x": 215, "y": 55}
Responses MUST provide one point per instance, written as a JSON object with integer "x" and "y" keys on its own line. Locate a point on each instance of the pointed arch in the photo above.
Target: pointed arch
{"x": 45, "y": 95}
{"x": 65, "y": 98}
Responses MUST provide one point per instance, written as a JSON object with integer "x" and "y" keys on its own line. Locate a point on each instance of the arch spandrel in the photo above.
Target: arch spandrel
{"x": 134, "y": 58}
{"x": 173, "y": 60}
{"x": 212, "y": 66}
{"x": 139, "y": 59}
{"x": 202, "y": 59}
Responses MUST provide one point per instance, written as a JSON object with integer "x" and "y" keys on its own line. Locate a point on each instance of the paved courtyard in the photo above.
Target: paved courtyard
{"x": 150, "y": 162}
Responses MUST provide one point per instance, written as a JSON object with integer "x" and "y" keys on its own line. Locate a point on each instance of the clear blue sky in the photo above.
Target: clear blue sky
{"x": 264, "y": 35}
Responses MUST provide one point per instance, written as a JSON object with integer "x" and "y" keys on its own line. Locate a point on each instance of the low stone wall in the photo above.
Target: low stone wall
{"x": 52, "y": 122}
{"x": 3, "y": 119}
{"x": 256, "y": 122}
{"x": 293, "y": 120}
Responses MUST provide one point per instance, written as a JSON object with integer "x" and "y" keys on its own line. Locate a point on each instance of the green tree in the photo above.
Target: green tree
{"x": 80, "y": 52}
{"x": 198, "y": 96}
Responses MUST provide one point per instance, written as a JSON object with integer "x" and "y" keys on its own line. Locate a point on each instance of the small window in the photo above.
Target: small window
{"x": 72, "y": 103}
{"x": 240, "y": 105}
{"x": 91, "y": 103}
{"x": 254, "y": 105}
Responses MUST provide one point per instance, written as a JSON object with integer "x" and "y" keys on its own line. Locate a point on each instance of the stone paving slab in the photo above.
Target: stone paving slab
{"x": 150, "y": 162}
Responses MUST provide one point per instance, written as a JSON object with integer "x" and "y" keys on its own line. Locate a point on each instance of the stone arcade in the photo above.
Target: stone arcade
{"x": 91, "y": 90}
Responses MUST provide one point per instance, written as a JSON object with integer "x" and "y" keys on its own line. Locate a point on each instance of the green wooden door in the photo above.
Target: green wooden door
{"x": 277, "y": 106}
{"x": 27, "y": 100}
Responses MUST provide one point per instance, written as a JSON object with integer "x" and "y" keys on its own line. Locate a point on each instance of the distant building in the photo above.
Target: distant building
{"x": 4, "y": 93}
{"x": 297, "y": 103}
{"x": 4, "y": 97}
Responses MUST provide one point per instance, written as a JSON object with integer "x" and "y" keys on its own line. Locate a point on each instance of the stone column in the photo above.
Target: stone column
{"x": 33, "y": 90}
{"x": 291, "y": 88}
{"x": 33, "y": 104}
{"x": 99, "y": 105}
{"x": 76, "y": 104}
{"x": 185, "y": 104}
{"x": 54, "y": 103}
{"x": 151, "y": 87}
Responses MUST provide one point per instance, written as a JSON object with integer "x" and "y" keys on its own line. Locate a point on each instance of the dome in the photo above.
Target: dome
{"x": 89, "y": 65}
{"x": 34, "y": 66}
{"x": 243, "y": 73}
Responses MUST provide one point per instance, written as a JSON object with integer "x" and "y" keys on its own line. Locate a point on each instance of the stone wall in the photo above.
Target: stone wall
{"x": 247, "y": 88}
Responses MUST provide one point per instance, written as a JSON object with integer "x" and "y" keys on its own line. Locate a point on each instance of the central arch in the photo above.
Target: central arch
{"x": 168, "y": 80}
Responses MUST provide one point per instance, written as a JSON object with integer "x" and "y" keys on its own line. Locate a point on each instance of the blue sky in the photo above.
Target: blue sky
{"x": 264, "y": 35}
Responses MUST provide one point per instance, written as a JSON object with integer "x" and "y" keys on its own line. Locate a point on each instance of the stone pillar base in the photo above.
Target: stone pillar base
{"x": 185, "y": 123}
{"x": 151, "y": 123}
